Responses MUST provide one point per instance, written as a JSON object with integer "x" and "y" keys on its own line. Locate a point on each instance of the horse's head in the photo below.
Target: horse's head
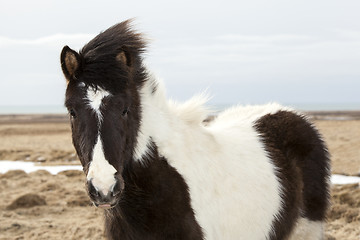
{"x": 102, "y": 98}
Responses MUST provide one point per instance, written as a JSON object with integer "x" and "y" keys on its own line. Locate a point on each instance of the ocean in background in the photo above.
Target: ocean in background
{"x": 59, "y": 109}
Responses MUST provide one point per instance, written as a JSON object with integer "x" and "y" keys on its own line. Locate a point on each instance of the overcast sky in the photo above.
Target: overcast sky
{"x": 245, "y": 52}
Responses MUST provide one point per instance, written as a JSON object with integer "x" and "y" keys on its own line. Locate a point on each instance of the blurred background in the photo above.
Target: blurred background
{"x": 301, "y": 53}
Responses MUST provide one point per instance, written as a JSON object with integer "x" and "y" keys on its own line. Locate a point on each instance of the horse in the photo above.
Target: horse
{"x": 160, "y": 172}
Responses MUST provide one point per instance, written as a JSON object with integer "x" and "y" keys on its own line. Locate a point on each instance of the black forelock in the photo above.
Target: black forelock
{"x": 98, "y": 57}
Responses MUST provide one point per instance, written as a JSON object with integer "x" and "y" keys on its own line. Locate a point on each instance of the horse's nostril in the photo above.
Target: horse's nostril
{"x": 91, "y": 189}
{"x": 116, "y": 189}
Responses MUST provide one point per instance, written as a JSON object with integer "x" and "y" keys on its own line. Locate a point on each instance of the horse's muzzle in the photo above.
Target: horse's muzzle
{"x": 105, "y": 200}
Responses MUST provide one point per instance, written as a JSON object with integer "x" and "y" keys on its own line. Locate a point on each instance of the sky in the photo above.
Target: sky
{"x": 241, "y": 52}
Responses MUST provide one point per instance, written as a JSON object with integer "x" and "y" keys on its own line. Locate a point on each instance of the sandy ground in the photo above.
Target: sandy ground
{"x": 343, "y": 140}
{"x": 44, "y": 206}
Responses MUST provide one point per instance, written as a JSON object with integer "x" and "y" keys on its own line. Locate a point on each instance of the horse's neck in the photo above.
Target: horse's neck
{"x": 149, "y": 194}
{"x": 171, "y": 126}
{"x": 167, "y": 133}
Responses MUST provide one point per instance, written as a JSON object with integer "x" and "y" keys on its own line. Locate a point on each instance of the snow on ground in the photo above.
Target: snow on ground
{"x": 32, "y": 167}
{"x": 341, "y": 179}
{"x": 28, "y": 167}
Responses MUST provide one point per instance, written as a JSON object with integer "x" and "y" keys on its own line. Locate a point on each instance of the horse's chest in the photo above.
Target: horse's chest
{"x": 233, "y": 195}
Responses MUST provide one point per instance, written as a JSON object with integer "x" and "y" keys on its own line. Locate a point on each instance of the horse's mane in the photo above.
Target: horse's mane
{"x": 110, "y": 42}
{"x": 192, "y": 111}
{"x": 100, "y": 57}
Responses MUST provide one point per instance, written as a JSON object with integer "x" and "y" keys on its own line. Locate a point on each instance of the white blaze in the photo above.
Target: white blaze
{"x": 101, "y": 172}
{"x": 95, "y": 98}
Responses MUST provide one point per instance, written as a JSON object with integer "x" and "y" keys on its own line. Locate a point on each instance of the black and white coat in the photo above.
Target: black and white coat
{"x": 254, "y": 172}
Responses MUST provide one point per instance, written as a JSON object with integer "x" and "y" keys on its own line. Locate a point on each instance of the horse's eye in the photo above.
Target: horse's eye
{"x": 125, "y": 112}
{"x": 72, "y": 113}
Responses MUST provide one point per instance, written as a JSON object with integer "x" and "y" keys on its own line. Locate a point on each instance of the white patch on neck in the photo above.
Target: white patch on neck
{"x": 101, "y": 171}
{"x": 159, "y": 116}
{"x": 95, "y": 97}
{"x": 141, "y": 148}
{"x": 154, "y": 111}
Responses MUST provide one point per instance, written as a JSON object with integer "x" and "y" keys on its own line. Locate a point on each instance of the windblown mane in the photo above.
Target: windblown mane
{"x": 192, "y": 111}
{"x": 100, "y": 57}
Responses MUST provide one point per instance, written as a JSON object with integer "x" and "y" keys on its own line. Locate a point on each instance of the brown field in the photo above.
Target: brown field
{"x": 44, "y": 206}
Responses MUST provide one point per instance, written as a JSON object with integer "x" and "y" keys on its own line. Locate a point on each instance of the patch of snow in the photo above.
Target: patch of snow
{"x": 341, "y": 179}
{"x": 28, "y": 167}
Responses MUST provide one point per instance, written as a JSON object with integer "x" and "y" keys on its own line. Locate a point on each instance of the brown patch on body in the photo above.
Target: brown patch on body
{"x": 299, "y": 154}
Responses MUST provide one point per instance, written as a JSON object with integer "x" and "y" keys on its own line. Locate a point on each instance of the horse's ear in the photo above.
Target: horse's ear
{"x": 124, "y": 57}
{"x": 70, "y": 63}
